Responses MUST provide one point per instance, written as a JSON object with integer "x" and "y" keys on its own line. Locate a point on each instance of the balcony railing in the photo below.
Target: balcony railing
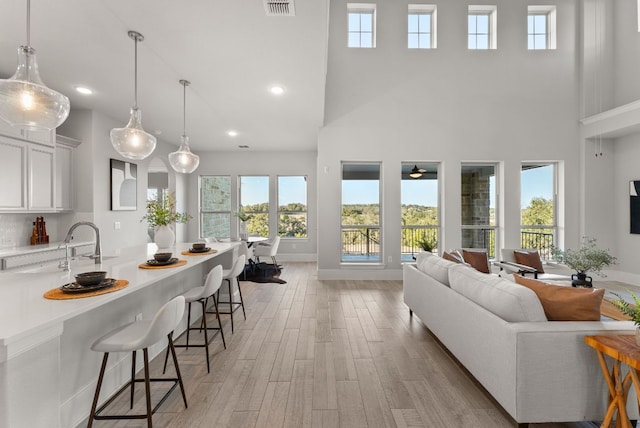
{"x": 362, "y": 243}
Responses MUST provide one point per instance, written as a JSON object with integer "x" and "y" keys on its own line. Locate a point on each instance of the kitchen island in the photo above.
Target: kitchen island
{"x": 47, "y": 369}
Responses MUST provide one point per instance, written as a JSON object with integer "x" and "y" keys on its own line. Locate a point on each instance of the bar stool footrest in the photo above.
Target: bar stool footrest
{"x": 238, "y": 305}
{"x": 98, "y": 416}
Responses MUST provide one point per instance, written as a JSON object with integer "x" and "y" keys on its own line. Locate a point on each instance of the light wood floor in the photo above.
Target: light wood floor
{"x": 324, "y": 354}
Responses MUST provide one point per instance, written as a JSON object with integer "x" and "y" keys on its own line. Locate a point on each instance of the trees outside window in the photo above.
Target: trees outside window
{"x": 292, "y": 206}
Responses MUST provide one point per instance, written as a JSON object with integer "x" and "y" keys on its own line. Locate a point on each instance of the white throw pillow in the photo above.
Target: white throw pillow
{"x": 434, "y": 266}
{"x": 509, "y": 301}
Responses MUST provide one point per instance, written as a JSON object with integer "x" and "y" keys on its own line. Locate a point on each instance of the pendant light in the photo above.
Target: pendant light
{"x": 25, "y": 100}
{"x": 131, "y": 141}
{"x": 184, "y": 160}
{"x": 416, "y": 172}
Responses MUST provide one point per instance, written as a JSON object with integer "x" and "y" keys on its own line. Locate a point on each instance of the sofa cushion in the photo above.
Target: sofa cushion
{"x": 529, "y": 258}
{"x": 477, "y": 259}
{"x": 509, "y": 301}
{"x": 564, "y": 303}
{"x": 434, "y": 266}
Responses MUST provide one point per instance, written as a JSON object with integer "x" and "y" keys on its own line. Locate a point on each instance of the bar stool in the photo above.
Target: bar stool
{"x": 202, "y": 294}
{"x": 134, "y": 336}
{"x": 231, "y": 275}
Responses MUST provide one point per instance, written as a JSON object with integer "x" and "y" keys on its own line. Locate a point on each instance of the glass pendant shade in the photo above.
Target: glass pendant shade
{"x": 26, "y": 101}
{"x": 184, "y": 160}
{"x": 132, "y": 141}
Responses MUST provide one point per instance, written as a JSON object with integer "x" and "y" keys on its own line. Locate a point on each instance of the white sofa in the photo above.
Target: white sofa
{"x": 538, "y": 370}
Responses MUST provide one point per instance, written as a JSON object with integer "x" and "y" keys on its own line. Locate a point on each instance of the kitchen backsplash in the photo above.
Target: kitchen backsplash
{"x": 15, "y": 229}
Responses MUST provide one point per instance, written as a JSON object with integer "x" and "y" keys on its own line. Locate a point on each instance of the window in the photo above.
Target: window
{"x": 362, "y": 22}
{"x": 292, "y": 206}
{"x": 254, "y": 201}
{"x": 478, "y": 207}
{"x": 541, "y": 24}
{"x": 360, "y": 224}
{"x": 482, "y": 27}
{"x": 422, "y": 26}
{"x": 419, "y": 199}
{"x": 538, "y": 193}
{"x": 215, "y": 206}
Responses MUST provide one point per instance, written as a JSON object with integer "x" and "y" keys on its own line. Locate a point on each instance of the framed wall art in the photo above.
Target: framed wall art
{"x": 124, "y": 184}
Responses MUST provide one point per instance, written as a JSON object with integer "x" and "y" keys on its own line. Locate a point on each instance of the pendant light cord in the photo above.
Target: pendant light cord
{"x": 184, "y": 108}
{"x": 28, "y": 22}
{"x": 135, "y": 73}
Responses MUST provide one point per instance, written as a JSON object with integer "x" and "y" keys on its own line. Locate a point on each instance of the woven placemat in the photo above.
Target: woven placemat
{"x": 189, "y": 253}
{"x": 58, "y": 294}
{"x": 178, "y": 264}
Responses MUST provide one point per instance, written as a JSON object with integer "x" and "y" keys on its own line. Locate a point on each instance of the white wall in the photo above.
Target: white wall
{"x": 272, "y": 164}
{"x": 448, "y": 105}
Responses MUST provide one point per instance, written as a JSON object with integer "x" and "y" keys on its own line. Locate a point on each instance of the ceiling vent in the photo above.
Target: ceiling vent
{"x": 279, "y": 7}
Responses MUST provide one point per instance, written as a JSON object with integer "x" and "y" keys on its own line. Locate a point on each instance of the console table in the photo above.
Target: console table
{"x": 623, "y": 349}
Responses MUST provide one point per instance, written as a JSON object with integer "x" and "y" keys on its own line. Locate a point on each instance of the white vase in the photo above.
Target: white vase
{"x": 164, "y": 237}
{"x": 244, "y": 235}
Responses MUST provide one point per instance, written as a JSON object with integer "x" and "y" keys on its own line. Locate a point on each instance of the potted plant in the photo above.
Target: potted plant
{"x": 588, "y": 258}
{"x": 427, "y": 244}
{"x": 632, "y": 311}
{"x": 161, "y": 214}
{"x": 243, "y": 217}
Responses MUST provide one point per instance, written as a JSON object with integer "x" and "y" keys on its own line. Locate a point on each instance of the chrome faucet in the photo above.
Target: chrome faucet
{"x": 97, "y": 256}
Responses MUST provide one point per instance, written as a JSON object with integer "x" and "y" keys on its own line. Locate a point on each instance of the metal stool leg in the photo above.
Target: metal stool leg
{"x": 147, "y": 386}
{"x": 175, "y": 362}
{"x": 133, "y": 377}
{"x": 230, "y": 304}
{"x": 206, "y": 338}
{"x": 215, "y": 305}
{"x": 98, "y": 386}
{"x": 241, "y": 301}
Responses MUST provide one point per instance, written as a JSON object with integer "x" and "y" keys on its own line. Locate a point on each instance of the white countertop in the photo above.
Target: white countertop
{"x": 27, "y": 249}
{"x": 26, "y": 316}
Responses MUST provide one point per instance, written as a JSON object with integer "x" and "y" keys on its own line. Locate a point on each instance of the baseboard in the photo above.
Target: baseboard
{"x": 616, "y": 275}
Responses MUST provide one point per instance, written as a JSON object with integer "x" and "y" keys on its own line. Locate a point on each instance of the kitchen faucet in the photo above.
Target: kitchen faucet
{"x": 97, "y": 256}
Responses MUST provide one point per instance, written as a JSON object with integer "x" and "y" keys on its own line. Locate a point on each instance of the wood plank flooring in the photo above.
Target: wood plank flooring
{"x": 323, "y": 354}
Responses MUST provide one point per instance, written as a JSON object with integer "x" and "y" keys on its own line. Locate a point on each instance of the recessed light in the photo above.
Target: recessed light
{"x": 232, "y": 133}
{"x": 84, "y": 90}
{"x": 277, "y": 90}
{"x": 243, "y": 146}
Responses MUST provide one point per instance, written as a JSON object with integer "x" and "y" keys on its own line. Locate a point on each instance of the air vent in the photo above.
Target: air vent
{"x": 279, "y": 7}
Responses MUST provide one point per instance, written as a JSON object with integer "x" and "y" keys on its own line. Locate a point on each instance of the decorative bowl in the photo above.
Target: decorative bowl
{"x": 199, "y": 245}
{"x": 90, "y": 278}
{"x": 162, "y": 257}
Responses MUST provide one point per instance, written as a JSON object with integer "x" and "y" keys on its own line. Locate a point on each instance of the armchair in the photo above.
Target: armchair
{"x": 526, "y": 261}
{"x": 268, "y": 249}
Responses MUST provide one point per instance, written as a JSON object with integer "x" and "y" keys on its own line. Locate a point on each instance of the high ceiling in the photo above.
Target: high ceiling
{"x": 230, "y": 51}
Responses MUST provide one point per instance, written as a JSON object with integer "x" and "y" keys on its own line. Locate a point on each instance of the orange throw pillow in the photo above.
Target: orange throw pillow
{"x": 568, "y": 303}
{"x": 529, "y": 258}
{"x": 451, "y": 257}
{"x": 477, "y": 259}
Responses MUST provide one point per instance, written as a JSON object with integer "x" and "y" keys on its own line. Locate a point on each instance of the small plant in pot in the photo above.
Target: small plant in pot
{"x": 161, "y": 214}
{"x": 588, "y": 258}
{"x": 427, "y": 244}
{"x": 631, "y": 310}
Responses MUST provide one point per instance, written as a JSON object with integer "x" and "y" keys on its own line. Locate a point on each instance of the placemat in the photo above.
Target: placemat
{"x": 58, "y": 294}
{"x": 189, "y": 253}
{"x": 146, "y": 266}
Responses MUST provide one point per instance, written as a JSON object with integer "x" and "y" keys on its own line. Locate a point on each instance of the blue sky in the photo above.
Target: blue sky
{"x": 255, "y": 190}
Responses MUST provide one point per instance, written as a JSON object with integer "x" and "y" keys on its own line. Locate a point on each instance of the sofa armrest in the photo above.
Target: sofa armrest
{"x": 513, "y": 267}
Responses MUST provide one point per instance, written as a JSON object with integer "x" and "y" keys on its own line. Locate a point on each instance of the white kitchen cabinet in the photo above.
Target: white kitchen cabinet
{"x": 13, "y": 174}
{"x": 65, "y": 188}
{"x": 41, "y": 136}
{"x": 41, "y": 169}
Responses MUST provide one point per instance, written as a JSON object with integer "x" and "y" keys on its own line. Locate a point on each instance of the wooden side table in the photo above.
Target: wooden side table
{"x": 623, "y": 349}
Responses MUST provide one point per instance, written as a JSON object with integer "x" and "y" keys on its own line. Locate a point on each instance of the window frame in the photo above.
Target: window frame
{"x": 491, "y": 12}
{"x": 379, "y": 226}
{"x": 202, "y": 212}
{"x": 554, "y": 201}
{"x": 361, "y": 9}
{"x": 267, "y": 212}
{"x": 549, "y": 11}
{"x": 424, "y": 9}
{"x": 306, "y": 204}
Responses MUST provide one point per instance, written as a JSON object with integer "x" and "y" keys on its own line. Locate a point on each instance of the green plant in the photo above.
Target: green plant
{"x": 427, "y": 244}
{"x": 163, "y": 212}
{"x": 588, "y": 258}
{"x": 242, "y": 215}
{"x": 627, "y": 308}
